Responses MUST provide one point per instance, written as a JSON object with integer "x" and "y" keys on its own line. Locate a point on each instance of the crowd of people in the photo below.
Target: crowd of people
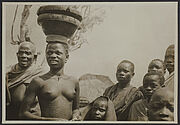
{"x": 33, "y": 94}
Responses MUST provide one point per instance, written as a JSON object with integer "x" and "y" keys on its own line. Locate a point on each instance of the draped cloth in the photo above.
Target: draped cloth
{"x": 110, "y": 112}
{"x": 122, "y": 99}
{"x": 138, "y": 111}
{"x": 170, "y": 82}
{"x": 15, "y": 77}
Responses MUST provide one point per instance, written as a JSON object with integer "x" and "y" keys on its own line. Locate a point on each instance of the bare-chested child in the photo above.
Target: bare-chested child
{"x": 58, "y": 93}
{"x": 161, "y": 107}
{"x": 101, "y": 109}
{"x": 151, "y": 82}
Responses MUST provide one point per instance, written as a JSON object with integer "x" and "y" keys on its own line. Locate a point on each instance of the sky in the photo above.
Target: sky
{"x": 138, "y": 32}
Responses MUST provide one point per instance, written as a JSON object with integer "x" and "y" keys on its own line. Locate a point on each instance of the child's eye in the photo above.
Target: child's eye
{"x": 118, "y": 71}
{"x": 170, "y": 107}
{"x": 49, "y": 52}
{"x": 101, "y": 110}
{"x": 154, "y": 85}
{"x": 157, "y": 67}
{"x": 20, "y": 52}
{"x": 28, "y": 53}
{"x": 58, "y": 53}
{"x": 125, "y": 71}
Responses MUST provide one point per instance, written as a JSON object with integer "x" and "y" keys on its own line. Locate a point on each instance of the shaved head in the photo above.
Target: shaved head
{"x": 161, "y": 106}
{"x": 169, "y": 58}
{"x": 162, "y": 94}
{"x": 170, "y": 50}
{"x": 30, "y": 45}
{"x": 157, "y": 65}
{"x": 128, "y": 62}
{"x": 26, "y": 54}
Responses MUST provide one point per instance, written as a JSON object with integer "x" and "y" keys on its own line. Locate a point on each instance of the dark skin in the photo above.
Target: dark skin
{"x": 26, "y": 56}
{"x": 99, "y": 109}
{"x": 156, "y": 66}
{"x": 150, "y": 85}
{"x": 169, "y": 59}
{"x": 124, "y": 74}
{"x": 162, "y": 106}
{"x": 58, "y": 93}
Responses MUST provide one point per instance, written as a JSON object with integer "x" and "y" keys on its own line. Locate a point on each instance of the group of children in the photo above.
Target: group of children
{"x": 153, "y": 101}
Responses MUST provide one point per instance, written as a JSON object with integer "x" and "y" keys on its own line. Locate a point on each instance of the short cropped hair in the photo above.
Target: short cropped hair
{"x": 170, "y": 47}
{"x": 161, "y": 77}
{"x": 159, "y": 61}
{"x": 127, "y": 61}
{"x": 33, "y": 47}
{"x": 66, "y": 47}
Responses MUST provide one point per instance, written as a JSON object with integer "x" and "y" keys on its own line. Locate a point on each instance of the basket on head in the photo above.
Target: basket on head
{"x": 59, "y": 22}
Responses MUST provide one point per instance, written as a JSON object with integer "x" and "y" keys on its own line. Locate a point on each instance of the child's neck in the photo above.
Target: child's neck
{"x": 123, "y": 85}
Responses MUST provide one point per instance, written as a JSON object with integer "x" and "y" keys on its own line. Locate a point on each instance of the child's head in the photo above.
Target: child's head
{"x": 169, "y": 58}
{"x": 161, "y": 106}
{"x": 157, "y": 65}
{"x": 125, "y": 71}
{"x": 99, "y": 108}
{"x": 151, "y": 82}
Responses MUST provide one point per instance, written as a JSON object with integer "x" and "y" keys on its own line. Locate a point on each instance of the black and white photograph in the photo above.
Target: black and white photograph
{"x": 89, "y": 62}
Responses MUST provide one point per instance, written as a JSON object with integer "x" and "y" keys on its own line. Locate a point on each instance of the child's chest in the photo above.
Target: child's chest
{"x": 56, "y": 88}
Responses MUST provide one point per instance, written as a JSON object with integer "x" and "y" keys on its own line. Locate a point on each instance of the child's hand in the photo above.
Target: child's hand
{"x": 76, "y": 115}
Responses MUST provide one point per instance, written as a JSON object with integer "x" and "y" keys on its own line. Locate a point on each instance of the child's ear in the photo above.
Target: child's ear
{"x": 67, "y": 57}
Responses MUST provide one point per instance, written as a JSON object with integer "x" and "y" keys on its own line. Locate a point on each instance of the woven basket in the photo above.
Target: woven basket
{"x": 59, "y": 20}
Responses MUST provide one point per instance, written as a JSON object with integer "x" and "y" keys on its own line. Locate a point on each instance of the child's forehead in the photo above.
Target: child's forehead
{"x": 124, "y": 64}
{"x": 155, "y": 62}
{"x": 163, "y": 94}
{"x": 152, "y": 77}
{"x": 55, "y": 45}
{"x": 162, "y": 98}
{"x": 170, "y": 51}
{"x": 27, "y": 49}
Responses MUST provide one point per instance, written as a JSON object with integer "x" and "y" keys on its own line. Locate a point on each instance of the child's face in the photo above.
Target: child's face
{"x": 169, "y": 60}
{"x": 156, "y": 66}
{"x": 124, "y": 73}
{"x": 151, "y": 84}
{"x": 56, "y": 55}
{"x": 99, "y": 110}
{"x": 162, "y": 107}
